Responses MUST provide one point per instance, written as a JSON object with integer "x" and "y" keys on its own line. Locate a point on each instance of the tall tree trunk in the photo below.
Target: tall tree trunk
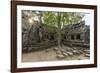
{"x": 40, "y": 28}
{"x": 59, "y": 29}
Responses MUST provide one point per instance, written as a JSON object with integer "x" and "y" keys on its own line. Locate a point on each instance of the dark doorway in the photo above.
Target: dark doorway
{"x": 78, "y": 37}
{"x": 64, "y": 36}
{"x": 72, "y": 37}
{"x": 51, "y": 37}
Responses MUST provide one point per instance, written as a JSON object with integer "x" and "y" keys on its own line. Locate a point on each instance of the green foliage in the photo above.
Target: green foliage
{"x": 65, "y": 18}
{"x": 49, "y": 18}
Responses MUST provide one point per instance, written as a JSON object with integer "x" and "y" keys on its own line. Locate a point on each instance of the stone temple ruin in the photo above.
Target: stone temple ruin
{"x": 77, "y": 34}
{"x": 41, "y": 37}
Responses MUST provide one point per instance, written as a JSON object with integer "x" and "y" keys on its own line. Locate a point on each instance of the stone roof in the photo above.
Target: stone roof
{"x": 76, "y": 28}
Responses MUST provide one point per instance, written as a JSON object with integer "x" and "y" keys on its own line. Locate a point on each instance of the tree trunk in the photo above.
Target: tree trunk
{"x": 59, "y": 30}
{"x": 40, "y": 27}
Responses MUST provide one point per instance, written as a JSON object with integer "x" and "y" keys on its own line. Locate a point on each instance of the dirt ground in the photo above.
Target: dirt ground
{"x": 48, "y": 55}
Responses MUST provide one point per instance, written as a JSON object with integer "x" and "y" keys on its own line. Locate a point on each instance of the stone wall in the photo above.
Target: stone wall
{"x": 77, "y": 33}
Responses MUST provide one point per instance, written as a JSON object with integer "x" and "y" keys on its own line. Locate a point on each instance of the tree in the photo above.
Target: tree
{"x": 61, "y": 19}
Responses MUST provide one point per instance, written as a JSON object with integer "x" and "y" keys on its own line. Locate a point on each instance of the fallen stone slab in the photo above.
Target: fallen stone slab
{"x": 70, "y": 53}
{"x": 56, "y": 49}
{"x": 87, "y": 55}
{"x": 88, "y": 51}
{"x": 63, "y": 50}
{"x": 58, "y": 52}
{"x": 75, "y": 52}
{"x": 68, "y": 49}
{"x": 74, "y": 48}
{"x": 65, "y": 54}
{"x": 60, "y": 56}
{"x": 81, "y": 52}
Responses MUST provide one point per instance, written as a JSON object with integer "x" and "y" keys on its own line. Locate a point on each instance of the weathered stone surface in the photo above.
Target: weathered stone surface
{"x": 68, "y": 49}
{"x": 65, "y": 54}
{"x": 81, "y": 52}
{"x": 74, "y": 48}
{"x": 60, "y": 56}
{"x": 87, "y": 51}
{"x": 24, "y": 39}
{"x": 75, "y": 52}
{"x": 70, "y": 53}
{"x": 87, "y": 55}
{"x": 63, "y": 50}
{"x": 29, "y": 49}
{"x": 55, "y": 48}
{"x": 58, "y": 52}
